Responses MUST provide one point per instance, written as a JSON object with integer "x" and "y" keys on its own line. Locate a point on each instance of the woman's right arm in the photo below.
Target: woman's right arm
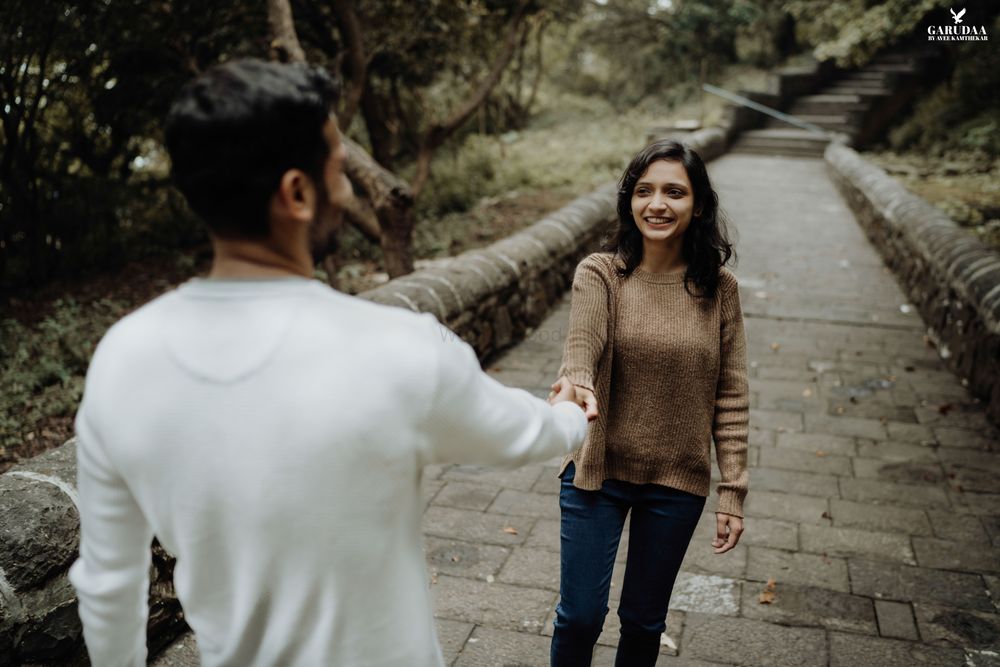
{"x": 588, "y": 324}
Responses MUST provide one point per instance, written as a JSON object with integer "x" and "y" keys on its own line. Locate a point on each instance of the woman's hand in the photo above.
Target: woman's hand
{"x": 727, "y": 533}
{"x": 564, "y": 390}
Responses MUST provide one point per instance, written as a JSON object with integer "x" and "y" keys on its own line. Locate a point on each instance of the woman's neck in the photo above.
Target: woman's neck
{"x": 660, "y": 258}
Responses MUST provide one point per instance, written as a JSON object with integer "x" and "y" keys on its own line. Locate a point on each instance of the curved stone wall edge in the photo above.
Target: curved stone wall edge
{"x": 951, "y": 276}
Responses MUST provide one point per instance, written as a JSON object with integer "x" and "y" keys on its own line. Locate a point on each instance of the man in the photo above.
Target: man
{"x": 270, "y": 431}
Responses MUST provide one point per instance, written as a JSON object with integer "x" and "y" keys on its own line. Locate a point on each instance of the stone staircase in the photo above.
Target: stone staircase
{"x": 858, "y": 104}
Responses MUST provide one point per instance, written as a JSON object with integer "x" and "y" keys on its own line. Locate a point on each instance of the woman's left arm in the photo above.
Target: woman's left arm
{"x": 730, "y": 427}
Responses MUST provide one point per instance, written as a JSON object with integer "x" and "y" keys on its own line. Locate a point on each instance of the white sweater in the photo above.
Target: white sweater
{"x": 271, "y": 434}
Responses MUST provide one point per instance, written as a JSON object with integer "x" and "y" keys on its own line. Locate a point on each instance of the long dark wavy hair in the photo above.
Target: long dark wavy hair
{"x": 706, "y": 247}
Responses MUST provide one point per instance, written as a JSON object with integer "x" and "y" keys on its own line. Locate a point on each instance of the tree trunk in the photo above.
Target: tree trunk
{"x": 285, "y": 46}
{"x": 392, "y": 202}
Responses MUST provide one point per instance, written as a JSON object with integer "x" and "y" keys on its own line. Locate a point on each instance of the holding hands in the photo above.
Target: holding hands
{"x": 564, "y": 390}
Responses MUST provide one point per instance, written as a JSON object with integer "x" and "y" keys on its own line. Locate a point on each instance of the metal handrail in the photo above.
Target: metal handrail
{"x": 774, "y": 113}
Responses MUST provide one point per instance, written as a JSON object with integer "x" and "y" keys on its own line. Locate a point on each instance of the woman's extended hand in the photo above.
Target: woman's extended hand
{"x": 727, "y": 532}
{"x": 563, "y": 390}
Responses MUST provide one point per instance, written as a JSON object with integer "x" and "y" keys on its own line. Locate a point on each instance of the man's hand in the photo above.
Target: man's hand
{"x": 564, "y": 390}
{"x": 727, "y": 532}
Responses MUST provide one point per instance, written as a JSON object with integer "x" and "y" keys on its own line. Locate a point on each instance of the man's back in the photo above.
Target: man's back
{"x": 271, "y": 433}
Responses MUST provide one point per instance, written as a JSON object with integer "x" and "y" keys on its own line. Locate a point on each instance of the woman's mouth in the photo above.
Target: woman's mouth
{"x": 658, "y": 221}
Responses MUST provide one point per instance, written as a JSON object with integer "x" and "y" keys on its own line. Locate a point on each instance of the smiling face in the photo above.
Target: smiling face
{"x": 663, "y": 203}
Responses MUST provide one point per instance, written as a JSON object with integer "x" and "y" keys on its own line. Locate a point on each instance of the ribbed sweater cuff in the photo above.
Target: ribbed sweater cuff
{"x": 730, "y": 502}
{"x": 581, "y": 379}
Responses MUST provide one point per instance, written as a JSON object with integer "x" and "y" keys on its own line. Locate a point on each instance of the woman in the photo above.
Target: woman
{"x": 656, "y": 352}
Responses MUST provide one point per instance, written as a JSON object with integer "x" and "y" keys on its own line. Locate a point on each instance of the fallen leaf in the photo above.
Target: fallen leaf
{"x": 820, "y": 453}
{"x": 775, "y": 347}
{"x": 510, "y": 530}
{"x": 456, "y": 558}
{"x": 853, "y": 399}
{"x": 826, "y": 515}
{"x": 767, "y": 595}
{"x": 807, "y": 392}
{"x": 839, "y": 409}
{"x": 909, "y": 369}
{"x": 490, "y": 579}
{"x": 945, "y": 408}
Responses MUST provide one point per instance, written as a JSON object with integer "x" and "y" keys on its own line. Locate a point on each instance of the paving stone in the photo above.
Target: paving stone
{"x": 958, "y": 627}
{"x": 904, "y": 432}
{"x": 463, "y": 559}
{"x": 774, "y": 420}
{"x": 992, "y": 524}
{"x": 429, "y": 488}
{"x": 545, "y": 535}
{"x": 983, "y": 504}
{"x": 883, "y": 410}
{"x": 761, "y": 437}
{"x": 472, "y": 526}
{"x": 967, "y": 438}
{"x": 806, "y": 605}
{"x": 743, "y": 641}
{"x": 549, "y": 481}
{"x": 910, "y": 521}
{"x": 701, "y": 559}
{"x": 903, "y": 583}
{"x": 797, "y": 568}
{"x": 770, "y": 533}
{"x": 957, "y": 527}
{"x": 895, "y": 620}
{"x": 706, "y": 594}
{"x": 849, "y": 650}
{"x": 452, "y": 636}
{"x": 537, "y": 568}
{"x": 521, "y": 479}
{"x": 491, "y": 646}
{"x": 521, "y": 503}
{"x": 845, "y": 426}
{"x": 961, "y": 415}
{"x": 896, "y": 451}
{"x": 790, "y": 481}
{"x": 907, "y": 472}
{"x": 960, "y": 556}
{"x": 815, "y": 462}
{"x": 789, "y": 506}
{"x": 880, "y": 492}
{"x": 466, "y": 496}
{"x": 972, "y": 478}
{"x": 495, "y": 604}
{"x": 818, "y": 442}
{"x": 969, "y": 458}
{"x": 855, "y": 542}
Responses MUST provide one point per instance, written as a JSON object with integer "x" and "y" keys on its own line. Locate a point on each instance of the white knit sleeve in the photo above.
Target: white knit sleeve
{"x": 474, "y": 419}
{"x": 111, "y": 576}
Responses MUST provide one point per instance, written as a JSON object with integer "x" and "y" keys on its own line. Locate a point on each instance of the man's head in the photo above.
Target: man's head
{"x": 253, "y": 144}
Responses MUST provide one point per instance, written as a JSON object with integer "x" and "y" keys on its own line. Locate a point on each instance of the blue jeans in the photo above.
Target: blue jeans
{"x": 663, "y": 521}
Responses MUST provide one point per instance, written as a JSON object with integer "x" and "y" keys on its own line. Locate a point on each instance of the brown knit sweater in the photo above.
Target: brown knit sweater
{"x": 670, "y": 375}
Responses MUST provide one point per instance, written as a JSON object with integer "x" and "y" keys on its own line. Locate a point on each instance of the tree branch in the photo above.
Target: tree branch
{"x": 285, "y": 45}
{"x": 438, "y": 132}
{"x": 357, "y": 60}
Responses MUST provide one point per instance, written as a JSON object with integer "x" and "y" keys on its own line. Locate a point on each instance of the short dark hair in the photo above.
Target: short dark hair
{"x": 237, "y": 128}
{"x": 706, "y": 247}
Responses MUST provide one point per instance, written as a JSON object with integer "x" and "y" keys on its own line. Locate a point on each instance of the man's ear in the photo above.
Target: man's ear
{"x": 296, "y": 195}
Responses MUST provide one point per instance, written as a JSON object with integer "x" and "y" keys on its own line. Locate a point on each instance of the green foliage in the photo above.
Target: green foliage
{"x": 85, "y": 88}
{"x": 44, "y": 365}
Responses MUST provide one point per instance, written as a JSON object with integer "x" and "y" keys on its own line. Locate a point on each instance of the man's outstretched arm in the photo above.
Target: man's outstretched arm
{"x": 111, "y": 576}
{"x": 475, "y": 419}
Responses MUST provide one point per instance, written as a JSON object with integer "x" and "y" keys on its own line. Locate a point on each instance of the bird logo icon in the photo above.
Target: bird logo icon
{"x": 958, "y": 16}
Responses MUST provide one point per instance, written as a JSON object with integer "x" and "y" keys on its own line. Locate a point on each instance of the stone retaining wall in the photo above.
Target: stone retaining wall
{"x": 951, "y": 276}
{"x": 490, "y": 297}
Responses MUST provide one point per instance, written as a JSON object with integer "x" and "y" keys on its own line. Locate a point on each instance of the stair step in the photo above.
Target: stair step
{"x": 854, "y": 90}
{"x": 859, "y": 83}
{"x": 803, "y": 107}
{"x": 899, "y": 68}
{"x": 788, "y": 151}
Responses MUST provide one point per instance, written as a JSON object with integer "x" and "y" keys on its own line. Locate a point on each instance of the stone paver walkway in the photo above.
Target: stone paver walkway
{"x": 874, "y": 497}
